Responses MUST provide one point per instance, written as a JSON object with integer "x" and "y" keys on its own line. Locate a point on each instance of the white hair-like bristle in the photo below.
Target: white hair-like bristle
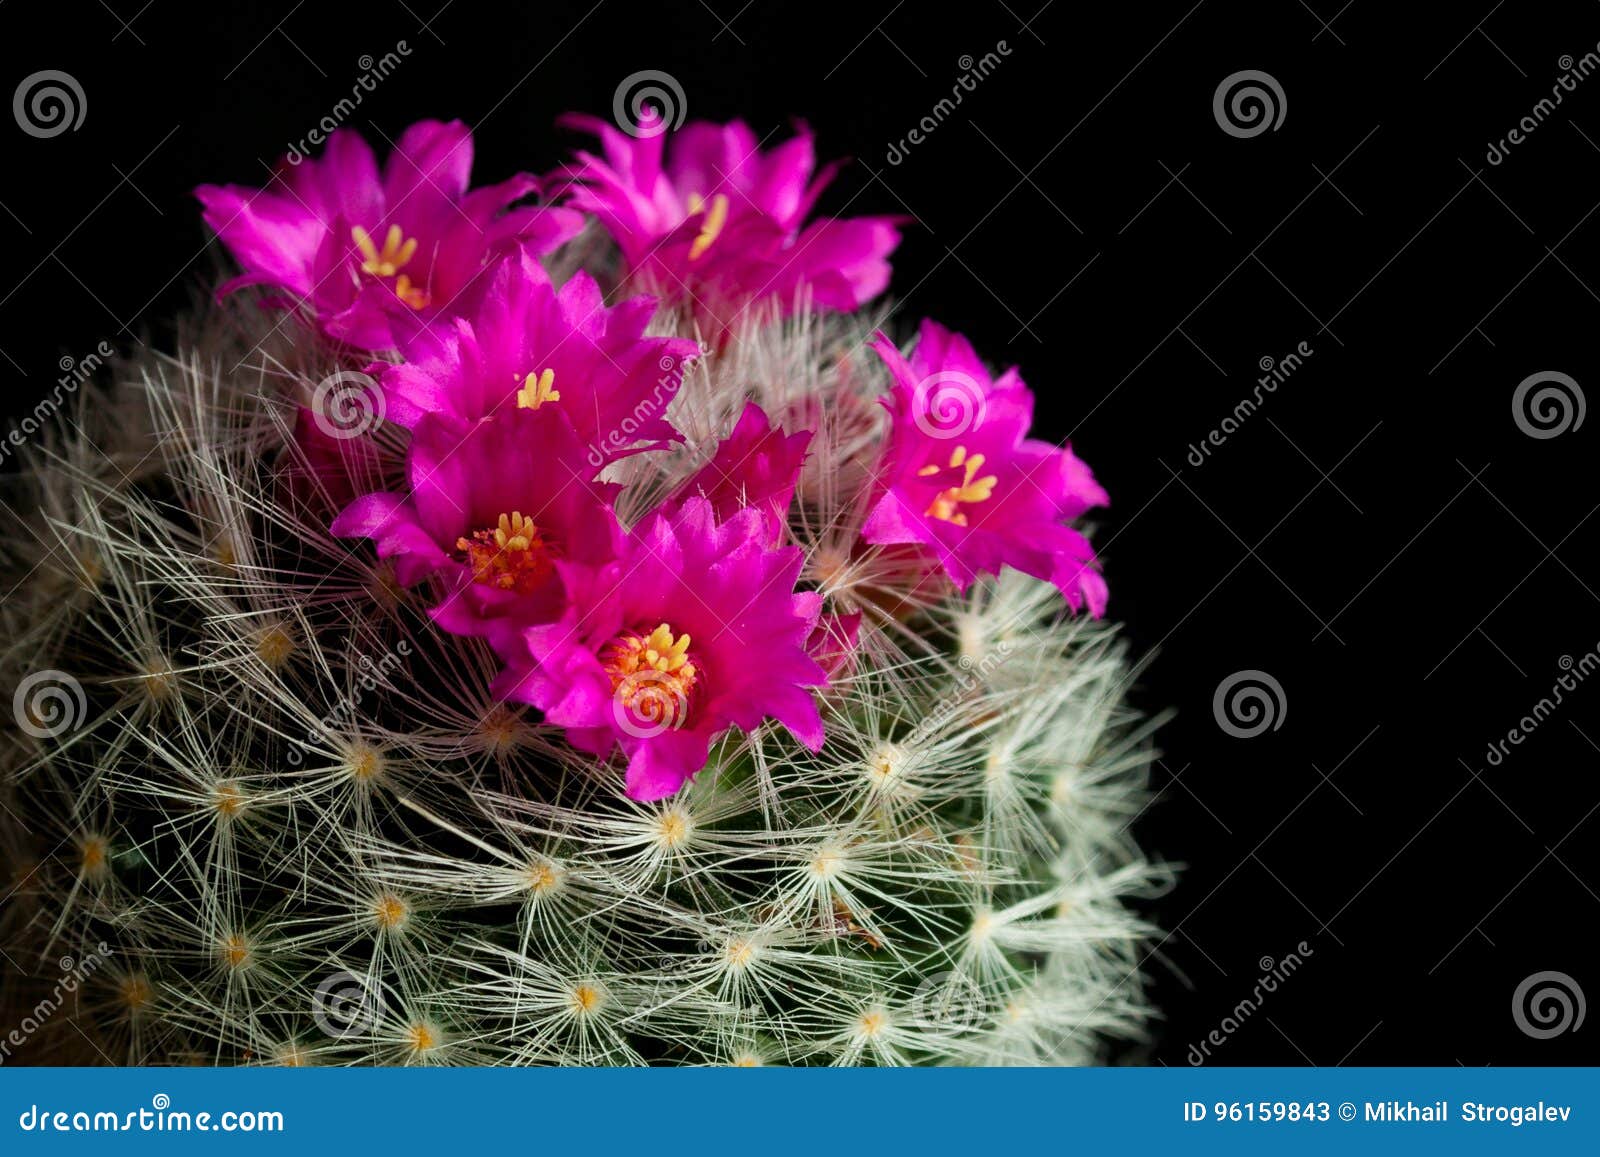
{"x": 306, "y": 833}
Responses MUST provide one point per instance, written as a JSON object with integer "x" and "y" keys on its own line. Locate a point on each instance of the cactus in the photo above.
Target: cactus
{"x": 270, "y": 813}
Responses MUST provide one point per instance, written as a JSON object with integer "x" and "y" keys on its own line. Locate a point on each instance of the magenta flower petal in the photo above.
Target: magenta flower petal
{"x": 961, "y": 480}
{"x": 695, "y": 628}
{"x": 526, "y": 345}
{"x": 392, "y": 524}
{"x": 832, "y": 643}
{"x": 756, "y": 465}
{"x": 713, "y": 220}
{"x": 331, "y": 469}
{"x": 501, "y": 511}
{"x": 375, "y": 256}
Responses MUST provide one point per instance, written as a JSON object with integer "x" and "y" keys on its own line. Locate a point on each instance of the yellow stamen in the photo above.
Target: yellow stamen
{"x": 510, "y": 556}
{"x": 535, "y": 392}
{"x": 946, "y": 505}
{"x": 397, "y": 252}
{"x": 653, "y": 673}
{"x": 413, "y": 295}
{"x": 716, "y": 216}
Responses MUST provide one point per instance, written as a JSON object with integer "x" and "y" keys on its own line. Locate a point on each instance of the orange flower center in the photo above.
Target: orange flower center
{"x": 397, "y": 251}
{"x": 510, "y": 556}
{"x": 652, "y": 675}
{"x": 946, "y": 505}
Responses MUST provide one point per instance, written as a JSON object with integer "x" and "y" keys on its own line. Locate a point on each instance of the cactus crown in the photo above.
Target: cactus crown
{"x": 288, "y": 816}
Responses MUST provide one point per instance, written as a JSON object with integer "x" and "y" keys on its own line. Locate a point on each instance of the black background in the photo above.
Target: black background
{"x": 1380, "y": 536}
